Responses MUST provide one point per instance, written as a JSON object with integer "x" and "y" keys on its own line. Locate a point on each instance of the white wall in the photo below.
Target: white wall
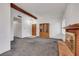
{"x": 54, "y": 22}
{"x": 25, "y": 27}
{"x": 5, "y": 28}
{"x": 71, "y": 14}
{"x": 17, "y": 26}
{"x": 54, "y": 26}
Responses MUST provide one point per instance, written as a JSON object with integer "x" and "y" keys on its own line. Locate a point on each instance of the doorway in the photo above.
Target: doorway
{"x": 44, "y": 30}
{"x": 33, "y": 30}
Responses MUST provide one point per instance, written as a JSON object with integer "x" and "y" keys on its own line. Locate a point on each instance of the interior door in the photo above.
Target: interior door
{"x": 44, "y": 30}
{"x": 33, "y": 29}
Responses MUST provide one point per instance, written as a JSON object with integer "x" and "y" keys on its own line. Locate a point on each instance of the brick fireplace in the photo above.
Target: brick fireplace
{"x": 74, "y": 29}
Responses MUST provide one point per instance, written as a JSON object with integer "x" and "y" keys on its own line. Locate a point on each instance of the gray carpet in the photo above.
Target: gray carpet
{"x": 33, "y": 47}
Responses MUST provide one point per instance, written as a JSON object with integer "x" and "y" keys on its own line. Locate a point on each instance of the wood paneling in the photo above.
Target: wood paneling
{"x": 21, "y": 10}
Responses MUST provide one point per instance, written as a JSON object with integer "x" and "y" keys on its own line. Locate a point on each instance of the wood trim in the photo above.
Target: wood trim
{"x": 21, "y": 10}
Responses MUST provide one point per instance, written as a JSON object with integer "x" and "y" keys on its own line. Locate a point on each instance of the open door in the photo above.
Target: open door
{"x": 44, "y": 30}
{"x": 33, "y": 30}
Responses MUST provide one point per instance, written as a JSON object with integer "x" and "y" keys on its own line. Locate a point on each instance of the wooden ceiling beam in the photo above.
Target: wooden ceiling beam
{"x": 21, "y": 10}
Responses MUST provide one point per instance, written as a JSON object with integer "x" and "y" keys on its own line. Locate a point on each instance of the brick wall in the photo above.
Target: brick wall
{"x": 77, "y": 43}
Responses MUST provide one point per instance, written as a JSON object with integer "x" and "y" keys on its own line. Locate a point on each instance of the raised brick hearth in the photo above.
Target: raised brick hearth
{"x": 74, "y": 29}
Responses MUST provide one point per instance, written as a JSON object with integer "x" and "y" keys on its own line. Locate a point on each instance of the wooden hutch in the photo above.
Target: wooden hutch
{"x": 74, "y": 29}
